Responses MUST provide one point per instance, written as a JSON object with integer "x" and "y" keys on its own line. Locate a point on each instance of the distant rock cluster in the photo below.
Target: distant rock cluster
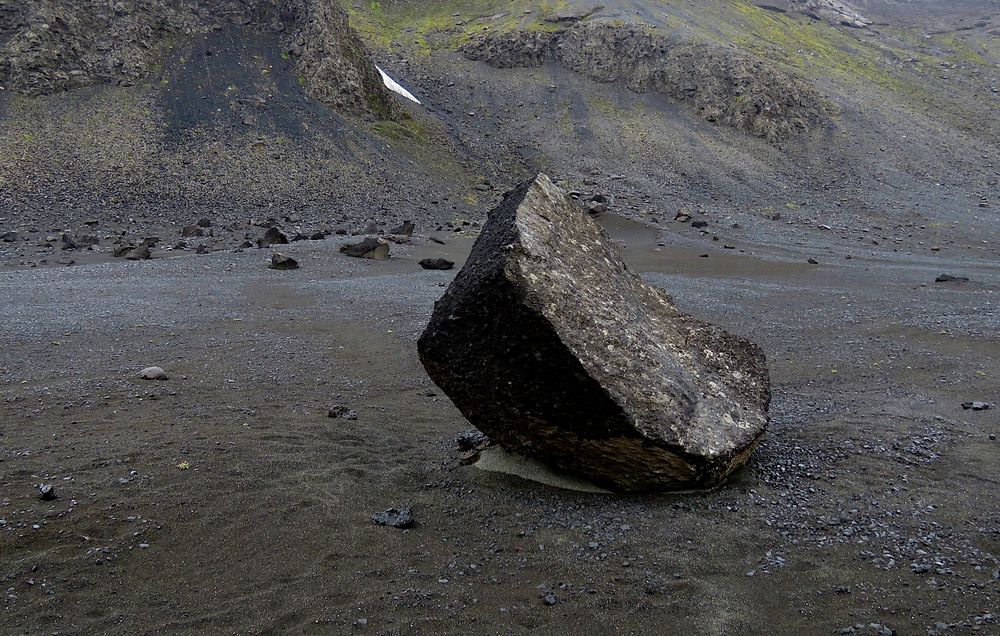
{"x": 722, "y": 86}
{"x": 48, "y": 46}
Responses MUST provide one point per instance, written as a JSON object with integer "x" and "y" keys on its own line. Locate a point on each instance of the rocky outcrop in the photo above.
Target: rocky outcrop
{"x": 53, "y": 45}
{"x": 722, "y": 86}
{"x": 832, "y": 11}
{"x": 548, "y": 344}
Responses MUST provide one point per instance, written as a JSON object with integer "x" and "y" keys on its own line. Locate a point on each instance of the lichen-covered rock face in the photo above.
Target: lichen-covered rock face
{"x": 722, "y": 86}
{"x": 48, "y": 46}
{"x": 551, "y": 346}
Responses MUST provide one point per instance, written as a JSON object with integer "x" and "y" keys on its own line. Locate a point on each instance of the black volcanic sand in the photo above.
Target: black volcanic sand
{"x": 225, "y": 499}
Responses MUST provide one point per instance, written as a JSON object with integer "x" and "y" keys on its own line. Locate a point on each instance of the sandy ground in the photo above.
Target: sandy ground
{"x": 224, "y": 500}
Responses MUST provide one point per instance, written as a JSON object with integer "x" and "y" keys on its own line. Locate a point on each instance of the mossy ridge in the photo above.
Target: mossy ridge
{"x": 419, "y": 28}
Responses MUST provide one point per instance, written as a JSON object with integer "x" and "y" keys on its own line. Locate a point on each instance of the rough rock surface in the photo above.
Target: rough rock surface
{"x": 832, "y": 11}
{"x": 551, "y": 346}
{"x": 51, "y": 45}
{"x": 724, "y": 87}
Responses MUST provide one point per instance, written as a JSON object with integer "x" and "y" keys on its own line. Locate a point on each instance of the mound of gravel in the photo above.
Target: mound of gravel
{"x": 724, "y": 87}
{"x": 47, "y": 46}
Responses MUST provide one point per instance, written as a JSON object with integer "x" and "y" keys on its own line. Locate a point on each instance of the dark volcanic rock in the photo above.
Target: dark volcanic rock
{"x": 401, "y": 518}
{"x": 948, "y": 278}
{"x": 281, "y": 261}
{"x": 548, "y": 344}
{"x": 722, "y": 86}
{"x": 8, "y": 237}
{"x": 139, "y": 253}
{"x": 46, "y": 492}
{"x": 976, "y": 406}
{"x": 436, "y": 263}
{"x": 273, "y": 236}
{"x": 406, "y": 229}
{"x": 372, "y": 248}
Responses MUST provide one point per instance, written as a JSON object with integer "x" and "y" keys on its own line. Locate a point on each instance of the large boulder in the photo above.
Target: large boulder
{"x": 551, "y": 346}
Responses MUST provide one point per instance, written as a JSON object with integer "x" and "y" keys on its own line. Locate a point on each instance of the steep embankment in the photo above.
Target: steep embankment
{"x": 724, "y": 87}
{"x": 53, "y": 45}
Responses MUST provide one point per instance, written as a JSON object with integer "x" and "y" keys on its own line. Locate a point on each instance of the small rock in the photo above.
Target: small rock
{"x": 8, "y": 237}
{"x": 273, "y": 236}
{"x": 371, "y": 248}
{"x": 153, "y": 373}
{"x": 401, "y": 518}
{"x": 813, "y": 261}
{"x": 437, "y": 263}
{"x": 682, "y": 216}
{"x": 192, "y": 230}
{"x": 204, "y": 222}
{"x": 406, "y": 229}
{"x": 472, "y": 440}
{"x": 948, "y": 278}
{"x": 699, "y": 224}
{"x": 339, "y": 411}
{"x": 317, "y": 236}
{"x": 139, "y": 253}
{"x": 976, "y": 406}
{"x": 597, "y": 207}
{"x": 282, "y": 262}
{"x": 46, "y": 492}
{"x": 549, "y": 598}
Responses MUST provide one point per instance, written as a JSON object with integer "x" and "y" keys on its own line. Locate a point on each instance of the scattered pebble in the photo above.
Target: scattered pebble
{"x": 153, "y": 373}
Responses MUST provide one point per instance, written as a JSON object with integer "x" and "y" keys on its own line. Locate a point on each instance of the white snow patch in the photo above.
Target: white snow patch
{"x": 394, "y": 86}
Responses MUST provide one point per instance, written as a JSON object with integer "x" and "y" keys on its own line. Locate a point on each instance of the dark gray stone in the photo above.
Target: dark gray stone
{"x": 976, "y": 406}
{"x": 548, "y": 344}
{"x": 273, "y": 236}
{"x": 401, "y": 518}
{"x": 372, "y": 248}
{"x": 436, "y": 263}
{"x": 283, "y": 262}
{"x": 948, "y": 278}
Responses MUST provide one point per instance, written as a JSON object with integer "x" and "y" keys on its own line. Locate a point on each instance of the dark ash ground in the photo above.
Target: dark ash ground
{"x": 224, "y": 500}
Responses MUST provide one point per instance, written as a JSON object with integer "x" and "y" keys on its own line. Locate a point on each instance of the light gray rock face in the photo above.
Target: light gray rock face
{"x": 833, "y": 11}
{"x": 551, "y": 346}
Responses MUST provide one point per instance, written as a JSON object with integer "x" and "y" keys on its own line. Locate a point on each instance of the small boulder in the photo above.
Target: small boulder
{"x": 401, "y": 518}
{"x": 339, "y": 411}
{"x": 282, "y": 262}
{"x": 273, "y": 236}
{"x": 46, "y": 492}
{"x": 8, "y": 237}
{"x": 139, "y": 253}
{"x": 204, "y": 222}
{"x": 976, "y": 406}
{"x": 699, "y": 224}
{"x": 437, "y": 263}
{"x": 153, "y": 373}
{"x": 371, "y": 248}
{"x": 192, "y": 230}
{"x": 406, "y": 229}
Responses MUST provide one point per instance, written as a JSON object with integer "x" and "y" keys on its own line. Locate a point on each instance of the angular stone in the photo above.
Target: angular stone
{"x": 372, "y": 248}
{"x": 550, "y": 345}
{"x": 273, "y": 236}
